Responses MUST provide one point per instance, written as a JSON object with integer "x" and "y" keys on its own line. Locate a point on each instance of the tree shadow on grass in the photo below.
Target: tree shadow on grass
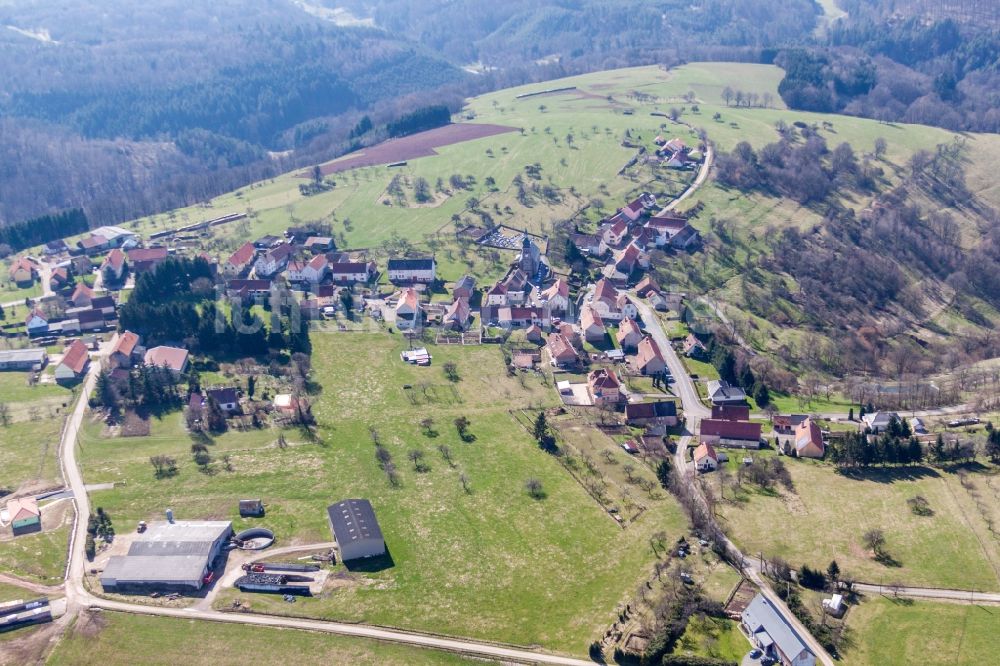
{"x": 889, "y": 474}
{"x": 371, "y": 564}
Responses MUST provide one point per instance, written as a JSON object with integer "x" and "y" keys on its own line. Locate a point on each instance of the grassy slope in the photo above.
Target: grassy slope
{"x": 28, "y": 452}
{"x": 888, "y": 632}
{"x": 168, "y": 641}
{"x": 494, "y": 564}
{"x": 828, "y": 514}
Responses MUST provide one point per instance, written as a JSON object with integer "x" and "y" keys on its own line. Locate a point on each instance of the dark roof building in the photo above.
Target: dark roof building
{"x": 644, "y": 413}
{"x": 356, "y": 529}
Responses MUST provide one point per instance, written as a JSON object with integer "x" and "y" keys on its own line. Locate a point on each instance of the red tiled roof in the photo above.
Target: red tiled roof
{"x": 731, "y": 412}
{"x": 75, "y": 358}
{"x": 606, "y": 292}
{"x": 705, "y": 450}
{"x": 558, "y": 288}
{"x": 635, "y": 206}
{"x": 126, "y": 343}
{"x": 318, "y": 262}
{"x": 21, "y": 508}
{"x": 560, "y": 347}
{"x": 590, "y": 317}
{"x": 730, "y": 429}
{"x": 807, "y": 433}
{"x": 243, "y": 255}
{"x": 604, "y": 379}
{"x": 626, "y": 328}
{"x": 147, "y": 254}
{"x": 23, "y": 263}
{"x": 172, "y": 357}
{"x": 115, "y": 259}
{"x": 82, "y": 290}
{"x": 648, "y": 351}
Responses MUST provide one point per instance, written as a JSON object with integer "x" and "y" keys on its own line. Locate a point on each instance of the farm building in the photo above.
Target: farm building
{"x": 168, "y": 555}
{"x": 251, "y": 507}
{"x": 23, "y": 359}
{"x": 24, "y": 515}
{"x": 661, "y": 412}
{"x": 772, "y": 633}
{"x": 174, "y": 359}
{"x": 741, "y": 434}
{"x": 356, "y": 529}
{"x": 402, "y": 271}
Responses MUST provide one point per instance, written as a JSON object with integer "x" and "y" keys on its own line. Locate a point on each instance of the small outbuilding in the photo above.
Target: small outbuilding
{"x": 356, "y": 529}
{"x": 24, "y": 515}
{"x": 253, "y": 508}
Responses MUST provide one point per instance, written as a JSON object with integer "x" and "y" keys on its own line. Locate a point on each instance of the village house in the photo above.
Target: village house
{"x": 731, "y": 412}
{"x": 59, "y": 278}
{"x": 56, "y": 246}
{"x": 124, "y": 349}
{"x": 23, "y": 271}
{"x": 36, "y": 323}
{"x": 629, "y": 335}
{"x": 267, "y": 242}
{"x": 405, "y": 271}
{"x": 649, "y": 359}
{"x": 227, "y": 398}
{"x": 350, "y": 272}
{"x": 313, "y": 271}
{"x": 248, "y": 289}
{"x": 105, "y": 305}
{"x": 786, "y": 424}
{"x": 629, "y": 260}
{"x": 239, "y": 262}
{"x": 319, "y": 243}
{"x": 589, "y": 244}
{"x": 616, "y": 230}
{"x": 661, "y": 412}
{"x": 522, "y": 317}
{"x": 87, "y": 320}
{"x": 570, "y": 332}
{"x": 604, "y": 387}
{"x": 465, "y": 287}
{"x": 878, "y": 421}
{"x": 457, "y": 316}
{"x": 561, "y": 351}
{"x": 534, "y": 334}
{"x": 273, "y": 261}
{"x": 634, "y": 209}
{"x": 146, "y": 258}
{"x": 645, "y": 287}
{"x": 658, "y": 301}
{"x": 705, "y": 458}
{"x": 74, "y": 363}
{"x": 611, "y": 304}
{"x": 174, "y": 359}
{"x": 82, "y": 296}
{"x": 736, "y": 434}
{"x": 694, "y": 348}
{"x": 808, "y": 440}
{"x": 592, "y": 324}
{"x": 720, "y": 392}
{"x": 408, "y": 311}
{"x": 24, "y": 515}
{"x": 771, "y": 633}
{"x": 556, "y": 296}
{"x": 114, "y": 265}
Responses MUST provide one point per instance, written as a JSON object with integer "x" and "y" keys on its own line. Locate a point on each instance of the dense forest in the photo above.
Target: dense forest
{"x": 936, "y": 64}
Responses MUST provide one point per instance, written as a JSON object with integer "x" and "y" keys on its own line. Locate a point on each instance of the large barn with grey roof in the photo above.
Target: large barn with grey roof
{"x": 356, "y": 529}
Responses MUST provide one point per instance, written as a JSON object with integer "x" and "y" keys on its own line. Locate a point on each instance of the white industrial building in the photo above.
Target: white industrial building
{"x": 168, "y": 555}
{"x": 355, "y": 529}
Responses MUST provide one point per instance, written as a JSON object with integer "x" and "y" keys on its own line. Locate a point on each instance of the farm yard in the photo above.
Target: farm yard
{"x": 828, "y": 513}
{"x": 449, "y": 548}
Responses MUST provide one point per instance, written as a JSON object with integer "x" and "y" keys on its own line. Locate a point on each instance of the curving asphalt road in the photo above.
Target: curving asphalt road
{"x": 694, "y": 411}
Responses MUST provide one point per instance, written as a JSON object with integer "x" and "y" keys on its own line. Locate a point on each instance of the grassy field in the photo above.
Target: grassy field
{"x": 28, "y": 453}
{"x": 111, "y": 639}
{"x": 826, "y": 516}
{"x": 491, "y": 563}
{"x": 886, "y": 631}
{"x": 39, "y": 557}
